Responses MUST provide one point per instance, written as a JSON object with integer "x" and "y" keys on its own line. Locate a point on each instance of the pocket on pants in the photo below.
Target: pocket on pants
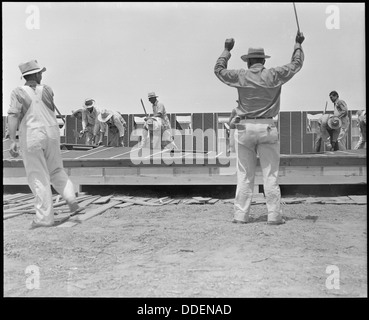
{"x": 36, "y": 139}
{"x": 271, "y": 134}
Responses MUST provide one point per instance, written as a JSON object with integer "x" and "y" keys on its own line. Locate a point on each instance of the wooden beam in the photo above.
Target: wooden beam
{"x": 88, "y": 215}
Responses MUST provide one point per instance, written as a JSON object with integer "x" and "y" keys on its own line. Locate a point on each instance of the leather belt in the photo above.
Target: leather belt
{"x": 252, "y": 118}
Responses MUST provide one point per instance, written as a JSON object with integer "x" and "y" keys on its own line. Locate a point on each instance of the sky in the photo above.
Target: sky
{"x": 118, "y": 52}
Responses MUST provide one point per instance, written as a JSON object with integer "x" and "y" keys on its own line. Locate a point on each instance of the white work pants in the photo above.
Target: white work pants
{"x": 39, "y": 141}
{"x": 257, "y": 137}
{"x": 43, "y": 168}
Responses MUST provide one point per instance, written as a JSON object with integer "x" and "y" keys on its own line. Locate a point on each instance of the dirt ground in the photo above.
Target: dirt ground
{"x": 191, "y": 251}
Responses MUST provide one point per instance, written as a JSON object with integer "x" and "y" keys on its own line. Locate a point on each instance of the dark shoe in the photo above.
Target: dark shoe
{"x": 282, "y": 221}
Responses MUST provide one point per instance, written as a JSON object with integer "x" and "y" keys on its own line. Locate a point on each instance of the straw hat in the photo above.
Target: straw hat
{"x": 30, "y": 67}
{"x": 334, "y": 122}
{"x": 104, "y": 115}
{"x": 89, "y": 103}
{"x": 254, "y": 53}
{"x": 152, "y": 95}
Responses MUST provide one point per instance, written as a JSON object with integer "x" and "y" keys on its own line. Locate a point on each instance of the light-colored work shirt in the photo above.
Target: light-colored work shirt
{"x": 20, "y": 101}
{"x": 341, "y": 111}
{"x": 259, "y": 89}
{"x": 115, "y": 121}
{"x": 158, "y": 107}
{"x": 90, "y": 119}
{"x": 325, "y": 131}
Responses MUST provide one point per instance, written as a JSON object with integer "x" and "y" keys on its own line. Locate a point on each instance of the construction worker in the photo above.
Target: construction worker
{"x": 259, "y": 91}
{"x": 90, "y": 123}
{"x": 327, "y": 132}
{"x": 361, "y": 123}
{"x": 32, "y": 108}
{"x": 159, "y": 112}
{"x": 341, "y": 111}
{"x": 114, "y": 123}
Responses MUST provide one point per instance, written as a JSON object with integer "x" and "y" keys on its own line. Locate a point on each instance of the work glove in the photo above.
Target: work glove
{"x": 229, "y": 43}
{"x": 300, "y": 37}
{"x": 14, "y": 149}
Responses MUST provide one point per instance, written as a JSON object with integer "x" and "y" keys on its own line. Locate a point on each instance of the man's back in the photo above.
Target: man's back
{"x": 259, "y": 88}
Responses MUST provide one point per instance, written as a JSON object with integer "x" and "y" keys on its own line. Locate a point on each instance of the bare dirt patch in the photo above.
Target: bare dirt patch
{"x": 191, "y": 251}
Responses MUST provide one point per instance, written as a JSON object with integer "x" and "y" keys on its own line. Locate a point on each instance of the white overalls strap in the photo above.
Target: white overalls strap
{"x": 38, "y": 114}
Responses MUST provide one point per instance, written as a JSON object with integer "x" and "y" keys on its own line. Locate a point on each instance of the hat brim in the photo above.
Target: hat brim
{"x": 88, "y": 107}
{"x": 101, "y": 119}
{"x": 245, "y": 57}
{"x": 334, "y": 127}
{"x": 34, "y": 71}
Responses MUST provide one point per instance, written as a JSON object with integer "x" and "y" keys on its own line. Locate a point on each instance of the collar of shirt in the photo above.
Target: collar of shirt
{"x": 31, "y": 83}
{"x": 256, "y": 67}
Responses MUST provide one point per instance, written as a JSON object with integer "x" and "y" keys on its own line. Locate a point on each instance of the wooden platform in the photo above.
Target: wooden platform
{"x": 129, "y": 166}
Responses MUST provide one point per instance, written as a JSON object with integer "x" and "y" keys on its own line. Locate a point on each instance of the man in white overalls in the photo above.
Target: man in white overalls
{"x": 32, "y": 111}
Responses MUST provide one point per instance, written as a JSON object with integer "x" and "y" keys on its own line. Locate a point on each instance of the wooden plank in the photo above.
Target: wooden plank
{"x": 359, "y": 199}
{"x": 23, "y": 198}
{"x": 102, "y": 200}
{"x": 197, "y": 123}
{"x": 296, "y": 132}
{"x": 70, "y": 129}
{"x": 135, "y": 201}
{"x": 209, "y": 131}
{"x": 12, "y": 197}
{"x": 307, "y": 137}
{"x": 89, "y": 201}
{"x": 126, "y": 135}
{"x": 285, "y": 132}
{"x": 88, "y": 215}
{"x": 124, "y": 205}
{"x": 201, "y": 199}
{"x": 174, "y": 201}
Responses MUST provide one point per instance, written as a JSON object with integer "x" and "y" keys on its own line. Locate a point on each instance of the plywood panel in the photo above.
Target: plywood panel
{"x": 126, "y": 134}
{"x": 208, "y": 127}
{"x": 285, "y": 132}
{"x": 307, "y": 137}
{"x": 296, "y": 132}
{"x": 70, "y": 127}
{"x": 197, "y": 123}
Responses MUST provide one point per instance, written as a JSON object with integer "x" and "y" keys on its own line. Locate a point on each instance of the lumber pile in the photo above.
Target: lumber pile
{"x": 15, "y": 205}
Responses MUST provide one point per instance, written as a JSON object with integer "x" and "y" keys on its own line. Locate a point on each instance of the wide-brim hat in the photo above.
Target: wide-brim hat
{"x": 152, "y": 95}
{"x": 334, "y": 122}
{"x": 30, "y": 67}
{"x": 255, "y": 53}
{"x": 89, "y": 103}
{"x": 104, "y": 115}
{"x": 77, "y": 113}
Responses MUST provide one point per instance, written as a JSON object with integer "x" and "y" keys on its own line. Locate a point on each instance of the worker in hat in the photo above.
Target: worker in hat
{"x": 32, "y": 108}
{"x": 361, "y": 123}
{"x": 341, "y": 111}
{"x": 90, "y": 123}
{"x": 163, "y": 122}
{"x": 114, "y": 123}
{"x": 328, "y": 131}
{"x": 259, "y": 91}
